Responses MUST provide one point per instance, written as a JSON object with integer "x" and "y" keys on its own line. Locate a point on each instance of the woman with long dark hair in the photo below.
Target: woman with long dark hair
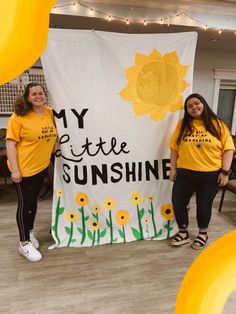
{"x": 201, "y": 155}
{"x": 30, "y": 139}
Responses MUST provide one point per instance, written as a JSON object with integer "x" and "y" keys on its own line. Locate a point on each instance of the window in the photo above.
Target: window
{"x": 224, "y": 102}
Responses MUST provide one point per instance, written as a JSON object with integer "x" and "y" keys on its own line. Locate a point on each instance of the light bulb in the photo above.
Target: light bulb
{"x": 74, "y": 6}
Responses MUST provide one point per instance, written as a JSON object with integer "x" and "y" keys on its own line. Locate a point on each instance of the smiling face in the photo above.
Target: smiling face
{"x": 195, "y": 108}
{"x": 37, "y": 96}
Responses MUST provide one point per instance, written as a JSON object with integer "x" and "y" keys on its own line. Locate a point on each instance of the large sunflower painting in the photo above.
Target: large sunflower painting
{"x": 155, "y": 84}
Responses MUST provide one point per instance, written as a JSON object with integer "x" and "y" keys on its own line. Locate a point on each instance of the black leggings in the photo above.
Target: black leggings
{"x": 27, "y": 192}
{"x": 206, "y": 187}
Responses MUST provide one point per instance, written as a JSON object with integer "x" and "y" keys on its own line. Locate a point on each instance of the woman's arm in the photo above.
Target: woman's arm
{"x": 12, "y": 158}
{"x": 173, "y": 163}
{"x": 226, "y": 163}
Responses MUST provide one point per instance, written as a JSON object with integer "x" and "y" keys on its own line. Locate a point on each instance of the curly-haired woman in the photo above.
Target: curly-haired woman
{"x": 30, "y": 139}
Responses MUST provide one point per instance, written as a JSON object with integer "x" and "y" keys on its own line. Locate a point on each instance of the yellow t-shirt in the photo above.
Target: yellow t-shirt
{"x": 201, "y": 151}
{"x": 35, "y": 136}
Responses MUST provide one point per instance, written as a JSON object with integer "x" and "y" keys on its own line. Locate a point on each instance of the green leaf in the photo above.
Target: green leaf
{"x": 159, "y": 233}
{"x": 136, "y": 233}
{"x": 94, "y": 216}
{"x": 108, "y": 223}
{"x": 68, "y": 230}
{"x": 86, "y": 218}
{"x": 102, "y": 233}
{"x": 80, "y": 230}
{"x": 61, "y": 210}
{"x": 141, "y": 213}
{"x": 114, "y": 240}
{"x": 81, "y": 210}
{"x": 90, "y": 235}
{"x": 168, "y": 227}
{"x": 150, "y": 211}
{"x": 73, "y": 240}
{"x": 53, "y": 227}
{"x": 121, "y": 233}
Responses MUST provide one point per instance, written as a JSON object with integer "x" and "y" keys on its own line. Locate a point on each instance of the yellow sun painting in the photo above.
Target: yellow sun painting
{"x": 155, "y": 84}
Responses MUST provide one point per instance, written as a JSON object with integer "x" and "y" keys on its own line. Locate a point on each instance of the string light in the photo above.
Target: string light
{"x": 165, "y": 20}
{"x": 168, "y": 22}
{"x": 74, "y": 6}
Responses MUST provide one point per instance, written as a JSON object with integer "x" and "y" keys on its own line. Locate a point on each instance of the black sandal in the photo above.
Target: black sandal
{"x": 202, "y": 241}
{"x": 180, "y": 239}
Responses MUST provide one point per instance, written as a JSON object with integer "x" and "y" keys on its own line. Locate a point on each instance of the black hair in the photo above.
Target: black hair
{"x": 22, "y": 105}
{"x": 208, "y": 116}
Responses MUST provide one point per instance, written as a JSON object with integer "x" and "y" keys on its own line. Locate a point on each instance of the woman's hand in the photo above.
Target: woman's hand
{"x": 173, "y": 162}
{"x": 12, "y": 157}
{"x": 16, "y": 176}
{"x": 172, "y": 175}
{"x": 227, "y": 158}
{"x": 222, "y": 179}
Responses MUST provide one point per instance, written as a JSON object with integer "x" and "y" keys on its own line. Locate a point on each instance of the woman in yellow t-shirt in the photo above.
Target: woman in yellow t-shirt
{"x": 201, "y": 155}
{"x": 30, "y": 139}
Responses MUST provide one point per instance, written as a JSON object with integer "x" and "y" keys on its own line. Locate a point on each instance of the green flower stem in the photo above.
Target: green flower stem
{"x": 71, "y": 233}
{"x": 124, "y": 233}
{"x": 111, "y": 227}
{"x": 168, "y": 229}
{"x": 153, "y": 220}
{"x": 140, "y": 224}
{"x": 98, "y": 240}
{"x": 83, "y": 225}
{"x": 57, "y": 220}
{"x": 94, "y": 234}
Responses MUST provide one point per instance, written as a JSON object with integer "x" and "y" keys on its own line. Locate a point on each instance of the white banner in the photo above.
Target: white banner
{"x": 116, "y": 100}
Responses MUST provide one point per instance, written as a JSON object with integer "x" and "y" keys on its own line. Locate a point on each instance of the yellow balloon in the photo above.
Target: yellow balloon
{"x": 210, "y": 280}
{"x": 23, "y": 35}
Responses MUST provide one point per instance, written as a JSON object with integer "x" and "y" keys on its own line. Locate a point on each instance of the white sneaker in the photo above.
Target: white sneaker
{"x": 30, "y": 252}
{"x": 34, "y": 241}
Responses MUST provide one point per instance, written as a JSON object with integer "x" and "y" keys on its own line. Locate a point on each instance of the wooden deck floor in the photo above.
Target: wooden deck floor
{"x": 132, "y": 278}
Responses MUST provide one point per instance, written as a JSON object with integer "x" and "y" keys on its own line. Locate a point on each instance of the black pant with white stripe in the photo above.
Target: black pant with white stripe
{"x": 27, "y": 192}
